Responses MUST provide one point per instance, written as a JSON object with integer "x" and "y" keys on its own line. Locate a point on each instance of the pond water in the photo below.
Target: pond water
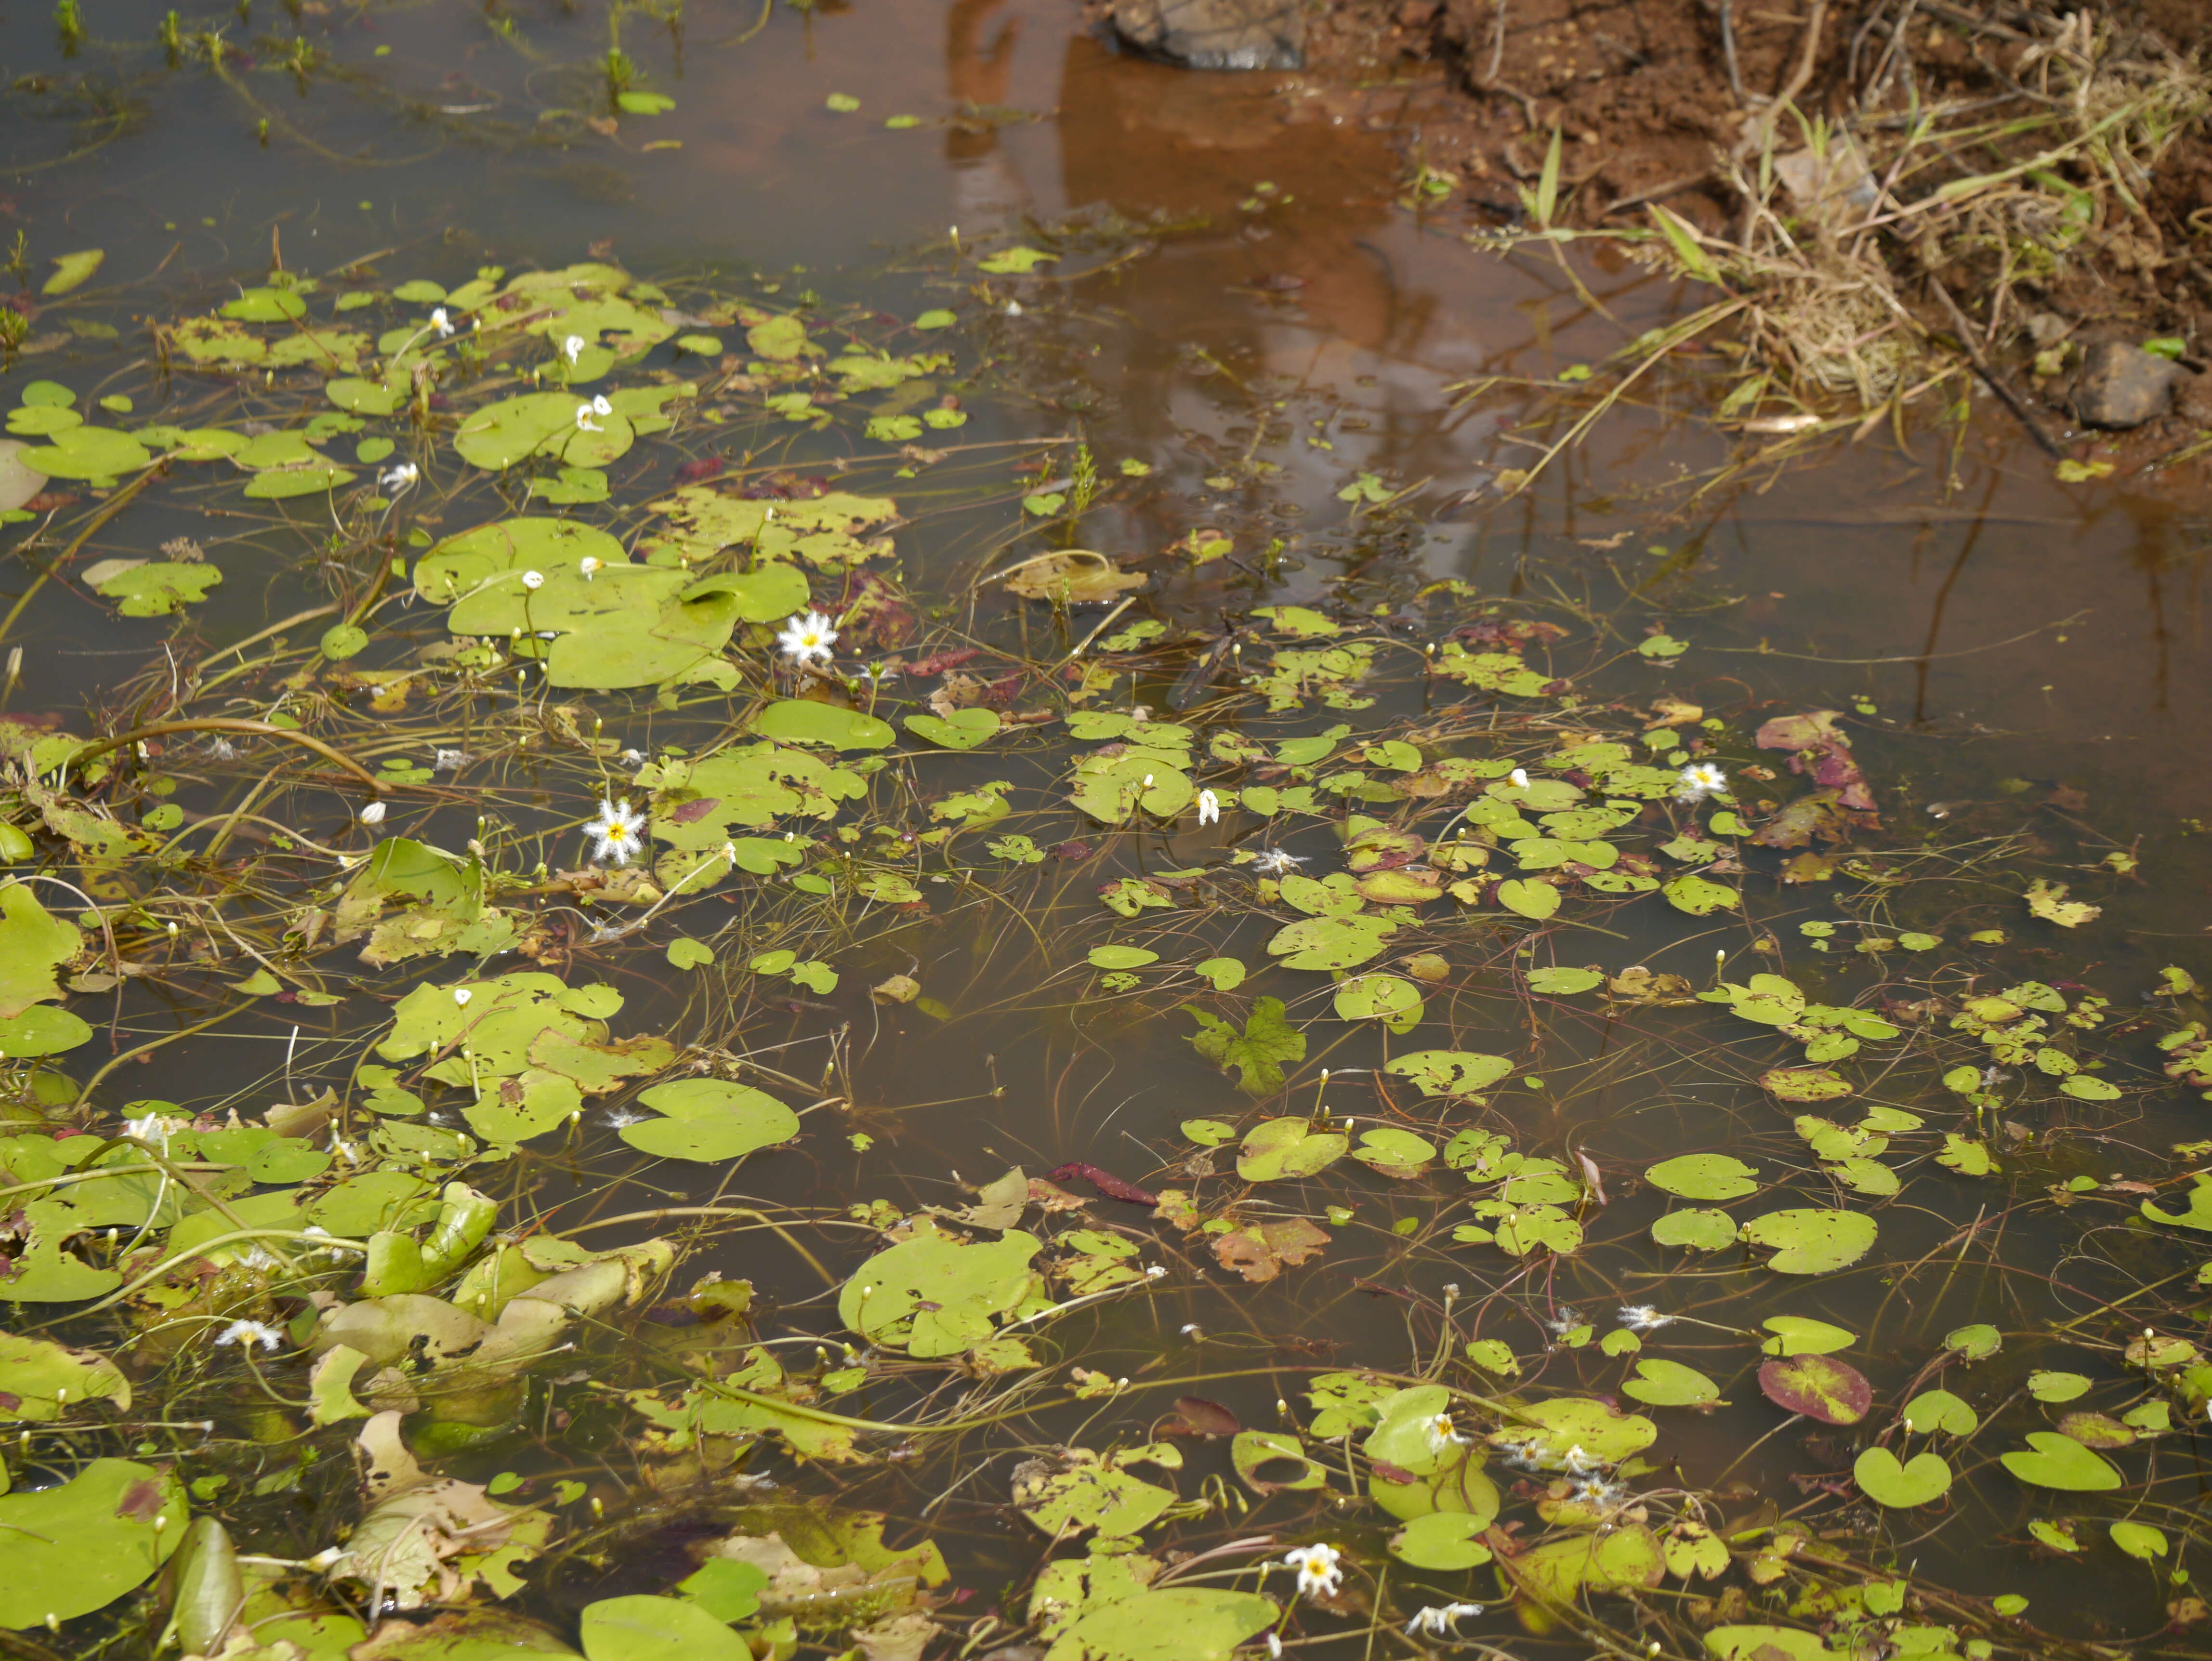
{"x": 1742, "y": 1218}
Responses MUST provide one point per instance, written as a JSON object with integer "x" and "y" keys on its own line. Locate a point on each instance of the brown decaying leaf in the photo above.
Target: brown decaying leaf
{"x": 1260, "y": 1252}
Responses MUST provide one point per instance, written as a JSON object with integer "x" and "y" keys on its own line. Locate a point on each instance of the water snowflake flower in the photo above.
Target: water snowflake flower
{"x": 1442, "y": 1434}
{"x": 449, "y": 761}
{"x": 1579, "y": 1463}
{"x": 533, "y": 580}
{"x": 1642, "y": 1317}
{"x": 807, "y": 640}
{"x": 152, "y": 1129}
{"x": 1564, "y": 1322}
{"x": 372, "y": 813}
{"x": 221, "y": 748}
{"x": 1319, "y": 1576}
{"x": 632, "y": 758}
{"x": 1273, "y": 862}
{"x": 1209, "y": 807}
{"x": 617, "y": 834}
{"x": 461, "y": 996}
{"x": 1699, "y": 780}
{"x": 248, "y": 1334}
{"x": 1441, "y": 1620}
{"x": 441, "y": 323}
{"x": 589, "y": 565}
{"x": 572, "y": 347}
{"x": 392, "y": 480}
{"x": 1519, "y": 775}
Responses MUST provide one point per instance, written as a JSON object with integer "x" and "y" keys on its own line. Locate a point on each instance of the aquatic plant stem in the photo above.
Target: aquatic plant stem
{"x": 220, "y": 724}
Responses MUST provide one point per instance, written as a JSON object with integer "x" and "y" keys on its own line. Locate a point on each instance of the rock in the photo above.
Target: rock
{"x": 2123, "y": 386}
{"x": 1216, "y": 35}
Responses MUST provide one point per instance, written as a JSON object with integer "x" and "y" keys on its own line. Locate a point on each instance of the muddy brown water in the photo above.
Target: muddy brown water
{"x": 1996, "y": 635}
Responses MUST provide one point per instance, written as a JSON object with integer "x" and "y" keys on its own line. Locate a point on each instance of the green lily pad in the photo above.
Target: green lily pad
{"x": 1223, "y": 974}
{"x": 1553, "y": 1428}
{"x": 40, "y": 1381}
{"x": 963, "y": 729}
{"x": 1799, "y": 1335}
{"x": 1120, "y": 957}
{"x": 2139, "y": 1540}
{"x": 87, "y": 453}
{"x": 1754, "y": 1643}
{"x": 1288, "y": 1149}
{"x": 1391, "y": 999}
{"x": 934, "y": 1296}
{"x": 1805, "y": 1084}
{"x": 41, "y": 1031}
{"x": 1886, "y": 1481}
{"x": 2054, "y": 1461}
{"x": 1977, "y": 1342}
{"x": 709, "y": 1121}
{"x": 1394, "y": 1153}
{"x": 1699, "y": 1230}
{"x": 1812, "y": 1242}
{"x": 1698, "y": 895}
{"x": 156, "y": 587}
{"x": 69, "y": 1550}
{"x": 1173, "y": 1623}
{"x": 1938, "y": 1409}
{"x": 1459, "y": 1072}
{"x": 644, "y": 1628}
{"x": 1564, "y": 982}
{"x": 1663, "y": 1384}
{"x": 1443, "y": 1540}
{"x": 1704, "y": 1177}
{"x": 802, "y": 720}
{"x": 1535, "y": 901}
{"x": 2056, "y": 1386}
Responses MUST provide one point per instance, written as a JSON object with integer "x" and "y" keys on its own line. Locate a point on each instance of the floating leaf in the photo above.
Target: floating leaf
{"x": 1331, "y": 943}
{"x": 40, "y": 1381}
{"x": 1288, "y": 1149}
{"x": 1692, "y": 893}
{"x": 72, "y": 271}
{"x": 1883, "y": 1480}
{"x": 1267, "y": 1041}
{"x": 656, "y": 1629}
{"x": 1701, "y": 1231}
{"x": 1805, "y": 1084}
{"x": 963, "y": 729}
{"x": 1564, "y": 982}
{"x": 1534, "y": 900}
{"x": 709, "y": 1121}
{"x": 1938, "y": 1409}
{"x": 1797, "y": 1334}
{"x": 1977, "y": 1342}
{"x": 1768, "y": 1644}
{"x": 1663, "y": 1384}
{"x": 2139, "y": 1540}
{"x": 1812, "y": 1242}
{"x": 2059, "y": 1462}
{"x": 1120, "y": 957}
{"x": 68, "y": 1550}
{"x": 1443, "y": 1540}
{"x": 1175, "y": 1623}
{"x": 1818, "y": 1387}
{"x": 933, "y": 1296}
{"x": 1390, "y": 999}
{"x": 802, "y": 720}
{"x": 1460, "y": 1072}
{"x": 2056, "y": 1386}
{"x": 1704, "y": 1177}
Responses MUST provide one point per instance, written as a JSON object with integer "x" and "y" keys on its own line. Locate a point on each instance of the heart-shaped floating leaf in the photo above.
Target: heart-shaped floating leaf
{"x": 1938, "y": 1409}
{"x": 1704, "y": 1177}
{"x": 1977, "y": 1342}
{"x": 2056, "y": 1386}
{"x": 963, "y": 729}
{"x": 1886, "y": 1482}
{"x": 2139, "y": 1540}
{"x": 1812, "y": 1242}
{"x": 802, "y": 720}
{"x": 1531, "y": 900}
{"x": 1441, "y": 1540}
{"x": 1450, "y": 1072}
{"x": 1287, "y": 1148}
{"x": 2059, "y": 1462}
{"x": 1819, "y": 1386}
{"x": 1800, "y": 1335}
{"x": 1663, "y": 1384}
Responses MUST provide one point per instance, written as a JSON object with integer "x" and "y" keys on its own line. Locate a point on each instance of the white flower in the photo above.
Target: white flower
{"x": 533, "y": 580}
{"x": 1519, "y": 775}
{"x": 1698, "y": 781}
{"x": 152, "y": 1129}
{"x": 573, "y": 347}
{"x": 615, "y": 834}
{"x": 1273, "y": 862}
{"x": 589, "y": 565}
{"x": 807, "y": 639}
{"x": 1442, "y": 1434}
{"x": 249, "y": 1333}
{"x": 441, "y": 323}
{"x": 1318, "y": 1573}
{"x": 600, "y": 406}
{"x": 1564, "y": 1322}
{"x": 221, "y": 748}
{"x": 584, "y": 422}
{"x": 1642, "y": 1317}
{"x": 1209, "y": 807}
{"x": 461, "y": 996}
{"x": 1274, "y": 1647}
{"x": 1013, "y": 308}
{"x": 397, "y": 479}
{"x": 1442, "y": 1620}
{"x": 1579, "y": 1463}
{"x": 372, "y": 814}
